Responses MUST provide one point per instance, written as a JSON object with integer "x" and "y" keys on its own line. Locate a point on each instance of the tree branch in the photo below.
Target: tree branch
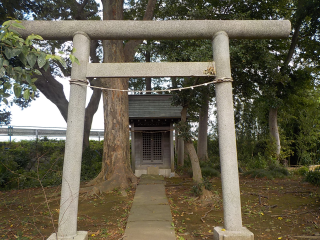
{"x": 131, "y": 46}
{"x": 82, "y": 5}
{"x": 80, "y": 13}
{"x": 93, "y": 105}
{"x": 148, "y": 15}
{"x": 294, "y": 42}
{"x": 53, "y": 90}
{"x": 91, "y": 109}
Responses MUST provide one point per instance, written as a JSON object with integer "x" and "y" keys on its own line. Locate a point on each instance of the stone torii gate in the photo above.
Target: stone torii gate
{"x": 81, "y": 32}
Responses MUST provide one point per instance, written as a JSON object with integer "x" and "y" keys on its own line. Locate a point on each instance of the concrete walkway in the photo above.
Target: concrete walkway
{"x": 150, "y": 216}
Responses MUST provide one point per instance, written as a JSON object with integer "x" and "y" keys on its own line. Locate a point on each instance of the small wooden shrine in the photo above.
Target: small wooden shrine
{"x": 151, "y": 118}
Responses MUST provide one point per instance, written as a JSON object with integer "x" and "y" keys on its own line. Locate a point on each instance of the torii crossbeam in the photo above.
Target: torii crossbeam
{"x": 219, "y": 32}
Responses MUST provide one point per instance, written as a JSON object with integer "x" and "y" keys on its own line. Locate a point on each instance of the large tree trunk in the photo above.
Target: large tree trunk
{"x": 116, "y": 170}
{"x": 202, "y": 147}
{"x": 196, "y": 170}
{"x": 273, "y": 127}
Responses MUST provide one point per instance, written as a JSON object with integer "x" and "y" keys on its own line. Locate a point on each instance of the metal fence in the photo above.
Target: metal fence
{"x": 38, "y": 132}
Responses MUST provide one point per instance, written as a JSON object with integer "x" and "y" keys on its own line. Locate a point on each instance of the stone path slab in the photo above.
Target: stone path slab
{"x": 150, "y": 215}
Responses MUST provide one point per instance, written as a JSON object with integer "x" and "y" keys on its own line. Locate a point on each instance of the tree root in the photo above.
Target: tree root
{"x": 205, "y": 215}
{"x": 206, "y": 196}
{"x": 98, "y": 185}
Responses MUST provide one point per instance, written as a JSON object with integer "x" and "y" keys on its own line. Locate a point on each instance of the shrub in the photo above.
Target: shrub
{"x": 313, "y": 177}
{"x": 91, "y": 163}
{"x": 269, "y": 173}
{"x": 23, "y": 164}
{"x": 209, "y": 172}
{"x": 302, "y": 171}
{"x": 279, "y": 170}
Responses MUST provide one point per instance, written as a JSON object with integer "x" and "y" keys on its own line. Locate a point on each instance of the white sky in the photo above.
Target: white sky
{"x": 43, "y": 113}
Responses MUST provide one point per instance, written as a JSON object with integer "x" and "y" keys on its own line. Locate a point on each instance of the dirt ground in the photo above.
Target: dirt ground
{"x": 24, "y": 214}
{"x": 271, "y": 209}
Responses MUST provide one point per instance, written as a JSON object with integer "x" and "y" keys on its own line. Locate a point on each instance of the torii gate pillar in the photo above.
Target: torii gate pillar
{"x": 227, "y": 145}
{"x": 69, "y": 201}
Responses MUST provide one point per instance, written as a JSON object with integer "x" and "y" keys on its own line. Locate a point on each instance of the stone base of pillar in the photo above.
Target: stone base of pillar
{"x": 81, "y": 235}
{"x": 221, "y": 234}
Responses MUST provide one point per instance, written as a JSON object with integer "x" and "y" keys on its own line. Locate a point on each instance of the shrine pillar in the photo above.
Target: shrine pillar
{"x": 68, "y": 214}
{"x": 227, "y": 144}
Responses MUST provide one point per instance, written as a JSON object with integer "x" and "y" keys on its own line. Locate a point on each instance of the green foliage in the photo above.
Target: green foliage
{"x": 213, "y": 149}
{"x": 301, "y": 122}
{"x": 256, "y": 154}
{"x": 313, "y": 177}
{"x": 183, "y": 130}
{"x": 302, "y": 171}
{"x": 19, "y": 62}
{"x": 209, "y": 172}
{"x": 210, "y": 168}
{"x": 91, "y": 161}
{"x": 271, "y": 172}
{"x": 27, "y": 163}
{"x": 5, "y": 117}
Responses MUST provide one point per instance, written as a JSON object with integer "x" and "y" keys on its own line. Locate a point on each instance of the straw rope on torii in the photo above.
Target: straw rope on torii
{"x": 85, "y": 83}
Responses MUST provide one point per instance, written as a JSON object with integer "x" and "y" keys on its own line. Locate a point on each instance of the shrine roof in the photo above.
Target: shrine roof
{"x": 152, "y": 106}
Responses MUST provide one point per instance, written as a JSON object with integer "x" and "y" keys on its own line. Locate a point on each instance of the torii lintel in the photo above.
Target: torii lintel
{"x": 157, "y": 30}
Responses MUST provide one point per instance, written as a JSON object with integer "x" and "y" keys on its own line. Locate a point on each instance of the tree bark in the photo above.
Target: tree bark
{"x": 180, "y": 152}
{"x": 91, "y": 109}
{"x": 294, "y": 42}
{"x": 181, "y": 142}
{"x": 93, "y": 105}
{"x": 202, "y": 147}
{"x": 148, "y": 79}
{"x": 53, "y": 90}
{"x": 116, "y": 170}
{"x": 273, "y": 127}
{"x": 196, "y": 170}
